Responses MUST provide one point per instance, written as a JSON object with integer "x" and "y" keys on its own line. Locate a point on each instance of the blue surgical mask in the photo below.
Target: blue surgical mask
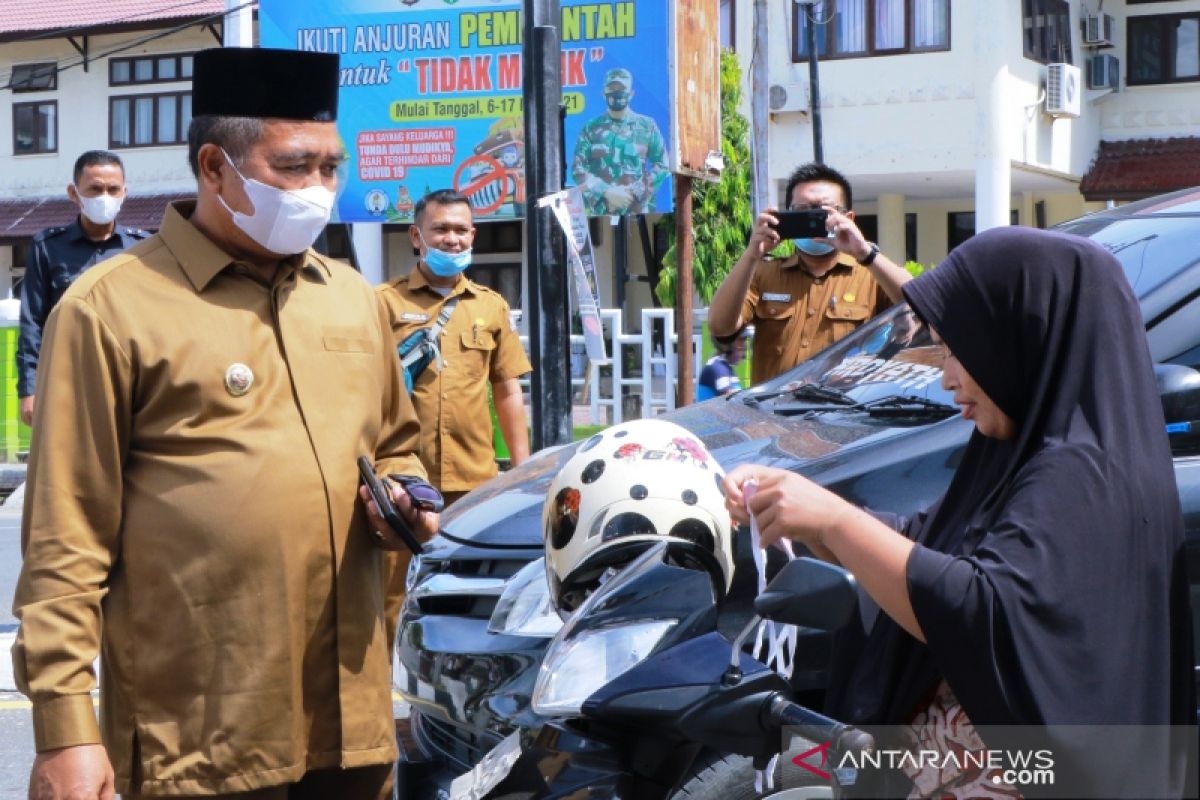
{"x": 443, "y": 264}
{"x": 813, "y": 247}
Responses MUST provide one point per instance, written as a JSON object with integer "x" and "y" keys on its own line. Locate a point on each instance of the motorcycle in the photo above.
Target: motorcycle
{"x": 640, "y": 696}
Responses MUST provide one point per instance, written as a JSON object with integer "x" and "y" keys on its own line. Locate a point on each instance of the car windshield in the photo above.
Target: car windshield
{"x": 889, "y": 367}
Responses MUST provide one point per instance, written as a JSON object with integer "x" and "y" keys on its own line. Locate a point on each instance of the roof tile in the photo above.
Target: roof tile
{"x": 23, "y": 218}
{"x": 38, "y": 15}
{"x": 1137, "y": 168}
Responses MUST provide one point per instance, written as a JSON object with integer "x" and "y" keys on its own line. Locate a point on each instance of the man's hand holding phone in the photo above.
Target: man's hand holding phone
{"x": 397, "y": 522}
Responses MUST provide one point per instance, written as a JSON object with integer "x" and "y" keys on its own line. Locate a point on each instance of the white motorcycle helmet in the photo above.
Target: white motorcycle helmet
{"x": 627, "y": 487}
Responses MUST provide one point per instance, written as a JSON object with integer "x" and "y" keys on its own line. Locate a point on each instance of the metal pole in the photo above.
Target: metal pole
{"x": 685, "y": 394}
{"x": 758, "y": 110}
{"x": 550, "y": 383}
{"x": 620, "y": 260}
{"x": 814, "y": 83}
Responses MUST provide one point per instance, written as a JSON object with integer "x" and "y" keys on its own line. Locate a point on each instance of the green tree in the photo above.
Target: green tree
{"x": 722, "y": 215}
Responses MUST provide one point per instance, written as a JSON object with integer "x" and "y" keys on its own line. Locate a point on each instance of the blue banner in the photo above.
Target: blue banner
{"x": 431, "y": 99}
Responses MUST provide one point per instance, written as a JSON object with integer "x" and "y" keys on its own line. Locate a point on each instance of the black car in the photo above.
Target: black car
{"x": 879, "y": 430}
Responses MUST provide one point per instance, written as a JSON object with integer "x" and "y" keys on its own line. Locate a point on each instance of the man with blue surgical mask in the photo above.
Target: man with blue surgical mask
{"x": 477, "y": 348}
{"x": 802, "y": 304}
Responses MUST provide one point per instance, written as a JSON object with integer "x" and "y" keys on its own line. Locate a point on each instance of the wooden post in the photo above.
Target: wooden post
{"x": 685, "y": 395}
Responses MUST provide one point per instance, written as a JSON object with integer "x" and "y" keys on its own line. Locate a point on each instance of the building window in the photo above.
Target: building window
{"x": 34, "y": 77}
{"x": 35, "y": 128}
{"x": 858, "y": 28}
{"x": 149, "y": 119}
{"x": 728, "y": 24}
{"x": 869, "y": 225}
{"x": 149, "y": 69}
{"x": 961, "y": 226}
{"x": 1047, "y": 28}
{"x": 1164, "y": 49}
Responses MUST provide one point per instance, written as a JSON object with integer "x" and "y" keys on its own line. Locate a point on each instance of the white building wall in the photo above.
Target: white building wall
{"x": 910, "y": 125}
{"x": 83, "y": 116}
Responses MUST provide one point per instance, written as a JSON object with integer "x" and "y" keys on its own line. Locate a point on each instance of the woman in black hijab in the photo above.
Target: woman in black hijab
{"x": 1047, "y": 586}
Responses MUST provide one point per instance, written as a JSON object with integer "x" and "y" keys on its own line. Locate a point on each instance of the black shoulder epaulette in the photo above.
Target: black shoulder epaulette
{"x": 137, "y": 233}
{"x": 47, "y": 233}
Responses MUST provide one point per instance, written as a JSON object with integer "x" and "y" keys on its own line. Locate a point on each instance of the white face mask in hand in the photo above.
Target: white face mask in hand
{"x": 284, "y": 221}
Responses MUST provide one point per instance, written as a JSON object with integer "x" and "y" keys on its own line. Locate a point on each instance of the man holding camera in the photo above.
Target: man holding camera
{"x": 802, "y": 304}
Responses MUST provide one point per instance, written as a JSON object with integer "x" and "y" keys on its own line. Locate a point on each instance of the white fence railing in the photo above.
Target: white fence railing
{"x": 652, "y": 385}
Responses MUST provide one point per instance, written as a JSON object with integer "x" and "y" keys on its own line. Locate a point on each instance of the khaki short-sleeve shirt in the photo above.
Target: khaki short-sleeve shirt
{"x": 796, "y": 315}
{"x": 191, "y": 514}
{"x": 479, "y": 347}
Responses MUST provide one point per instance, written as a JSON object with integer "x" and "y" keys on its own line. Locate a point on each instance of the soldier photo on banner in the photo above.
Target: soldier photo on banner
{"x": 433, "y": 98}
{"x": 620, "y": 159}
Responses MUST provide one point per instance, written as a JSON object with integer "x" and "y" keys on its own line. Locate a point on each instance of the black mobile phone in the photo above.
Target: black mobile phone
{"x": 387, "y": 509}
{"x": 808, "y": 223}
{"x": 423, "y": 494}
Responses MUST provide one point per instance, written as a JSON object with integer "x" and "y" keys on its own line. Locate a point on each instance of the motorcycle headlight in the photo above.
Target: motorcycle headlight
{"x": 524, "y": 608}
{"x": 575, "y": 667}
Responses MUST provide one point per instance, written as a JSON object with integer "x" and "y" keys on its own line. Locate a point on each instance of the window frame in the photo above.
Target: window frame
{"x": 1167, "y": 57}
{"x": 178, "y": 58}
{"x": 33, "y": 68}
{"x": 34, "y": 104}
{"x": 731, "y": 5}
{"x": 825, "y": 50}
{"x": 1032, "y": 49}
{"x": 180, "y": 126}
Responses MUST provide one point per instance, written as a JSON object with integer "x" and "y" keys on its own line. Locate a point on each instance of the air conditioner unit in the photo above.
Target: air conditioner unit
{"x": 1098, "y": 29}
{"x": 1062, "y": 90}
{"x": 785, "y": 97}
{"x": 1104, "y": 72}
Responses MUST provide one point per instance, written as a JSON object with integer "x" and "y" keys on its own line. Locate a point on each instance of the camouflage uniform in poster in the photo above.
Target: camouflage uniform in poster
{"x": 620, "y": 159}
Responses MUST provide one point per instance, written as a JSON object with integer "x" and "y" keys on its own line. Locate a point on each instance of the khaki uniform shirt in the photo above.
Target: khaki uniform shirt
{"x": 210, "y": 546}
{"x": 796, "y": 315}
{"x": 478, "y": 347}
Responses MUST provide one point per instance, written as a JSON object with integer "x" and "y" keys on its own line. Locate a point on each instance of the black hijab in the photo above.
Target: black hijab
{"x": 1049, "y": 579}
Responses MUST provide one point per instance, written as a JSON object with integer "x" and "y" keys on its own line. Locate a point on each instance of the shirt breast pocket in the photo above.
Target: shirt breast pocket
{"x": 348, "y": 340}
{"x": 477, "y": 349}
{"x": 773, "y": 314}
{"x": 845, "y": 317}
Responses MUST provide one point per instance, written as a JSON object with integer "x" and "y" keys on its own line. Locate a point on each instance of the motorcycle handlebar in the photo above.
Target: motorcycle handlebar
{"x": 782, "y": 713}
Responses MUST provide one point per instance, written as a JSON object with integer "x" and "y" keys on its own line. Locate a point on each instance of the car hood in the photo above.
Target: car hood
{"x": 506, "y": 511}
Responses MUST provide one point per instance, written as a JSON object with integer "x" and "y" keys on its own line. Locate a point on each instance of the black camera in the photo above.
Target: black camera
{"x": 808, "y": 223}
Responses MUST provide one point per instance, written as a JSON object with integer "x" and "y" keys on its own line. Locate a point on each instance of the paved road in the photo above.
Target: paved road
{"x": 16, "y": 729}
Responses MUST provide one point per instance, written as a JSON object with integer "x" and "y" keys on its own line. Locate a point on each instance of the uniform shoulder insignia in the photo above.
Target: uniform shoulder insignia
{"x": 47, "y": 233}
{"x": 138, "y": 233}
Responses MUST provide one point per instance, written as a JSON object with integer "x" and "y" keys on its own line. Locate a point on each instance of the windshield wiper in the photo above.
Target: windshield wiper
{"x": 814, "y": 391}
{"x": 806, "y": 391}
{"x": 908, "y": 406}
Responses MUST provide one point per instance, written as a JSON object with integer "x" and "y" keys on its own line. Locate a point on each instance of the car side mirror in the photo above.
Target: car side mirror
{"x": 810, "y": 593}
{"x": 1179, "y": 388}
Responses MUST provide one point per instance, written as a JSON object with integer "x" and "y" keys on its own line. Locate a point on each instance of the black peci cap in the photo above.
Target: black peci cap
{"x": 261, "y": 82}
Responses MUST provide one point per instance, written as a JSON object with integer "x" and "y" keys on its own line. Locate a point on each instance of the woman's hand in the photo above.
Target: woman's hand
{"x": 785, "y": 506}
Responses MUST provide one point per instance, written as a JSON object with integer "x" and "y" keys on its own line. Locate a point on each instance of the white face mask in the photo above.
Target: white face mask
{"x": 101, "y": 210}
{"x": 284, "y": 221}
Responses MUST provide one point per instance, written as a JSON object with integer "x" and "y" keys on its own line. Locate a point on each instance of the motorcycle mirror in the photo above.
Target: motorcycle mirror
{"x": 810, "y": 593}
